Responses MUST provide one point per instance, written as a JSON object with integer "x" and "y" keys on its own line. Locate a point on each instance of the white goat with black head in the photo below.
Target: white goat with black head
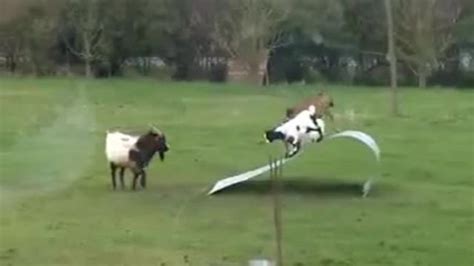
{"x": 303, "y": 128}
{"x": 133, "y": 152}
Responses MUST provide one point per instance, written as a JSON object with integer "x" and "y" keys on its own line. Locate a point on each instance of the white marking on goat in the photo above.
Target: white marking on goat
{"x": 118, "y": 146}
{"x": 302, "y": 129}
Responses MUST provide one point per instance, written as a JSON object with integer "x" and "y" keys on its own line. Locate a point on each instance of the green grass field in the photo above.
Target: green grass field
{"x": 58, "y": 208}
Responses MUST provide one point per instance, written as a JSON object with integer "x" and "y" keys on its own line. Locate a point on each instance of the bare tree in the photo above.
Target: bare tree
{"x": 391, "y": 56}
{"x": 41, "y": 38}
{"x": 11, "y": 45}
{"x": 84, "y": 19}
{"x": 12, "y": 27}
{"x": 423, "y": 33}
{"x": 249, "y": 32}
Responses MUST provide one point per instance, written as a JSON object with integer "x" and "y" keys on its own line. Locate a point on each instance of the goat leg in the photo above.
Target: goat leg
{"x": 113, "y": 167}
{"x": 122, "y": 171}
{"x": 136, "y": 174}
{"x": 143, "y": 179}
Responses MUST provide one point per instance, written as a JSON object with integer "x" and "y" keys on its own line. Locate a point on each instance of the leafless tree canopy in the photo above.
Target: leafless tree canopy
{"x": 424, "y": 31}
{"x": 271, "y": 40}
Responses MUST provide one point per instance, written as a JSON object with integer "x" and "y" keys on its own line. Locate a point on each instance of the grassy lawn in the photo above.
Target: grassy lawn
{"x": 57, "y": 206}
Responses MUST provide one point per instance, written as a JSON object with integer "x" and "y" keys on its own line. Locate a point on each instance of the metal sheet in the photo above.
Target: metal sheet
{"x": 362, "y": 137}
{"x": 358, "y": 135}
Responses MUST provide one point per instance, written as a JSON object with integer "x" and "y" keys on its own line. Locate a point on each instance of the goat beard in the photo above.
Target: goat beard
{"x": 162, "y": 155}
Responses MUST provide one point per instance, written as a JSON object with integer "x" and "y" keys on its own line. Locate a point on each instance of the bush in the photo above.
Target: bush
{"x": 458, "y": 78}
{"x": 218, "y": 73}
{"x": 380, "y": 76}
{"x": 312, "y": 76}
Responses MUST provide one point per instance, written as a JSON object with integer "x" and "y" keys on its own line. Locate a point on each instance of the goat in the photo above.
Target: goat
{"x": 303, "y": 128}
{"x": 133, "y": 152}
{"x": 323, "y": 103}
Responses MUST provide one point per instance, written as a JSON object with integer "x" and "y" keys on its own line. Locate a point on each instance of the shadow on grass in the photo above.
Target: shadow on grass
{"x": 304, "y": 186}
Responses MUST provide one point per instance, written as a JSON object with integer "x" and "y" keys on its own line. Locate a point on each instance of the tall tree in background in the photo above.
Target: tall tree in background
{"x": 41, "y": 37}
{"x": 392, "y": 59}
{"x": 12, "y": 28}
{"x": 464, "y": 29}
{"x": 311, "y": 40}
{"x": 423, "y": 33}
{"x": 364, "y": 20}
{"x": 249, "y": 31}
{"x": 85, "y": 19}
{"x": 11, "y": 43}
{"x": 28, "y": 34}
{"x": 133, "y": 30}
{"x": 318, "y": 37}
{"x": 188, "y": 36}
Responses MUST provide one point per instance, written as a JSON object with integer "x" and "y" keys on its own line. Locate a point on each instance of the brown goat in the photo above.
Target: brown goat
{"x": 137, "y": 157}
{"x": 323, "y": 103}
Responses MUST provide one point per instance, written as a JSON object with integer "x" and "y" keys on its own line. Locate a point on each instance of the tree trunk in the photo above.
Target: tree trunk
{"x": 392, "y": 58}
{"x": 422, "y": 79}
{"x": 33, "y": 63}
{"x": 147, "y": 68}
{"x": 87, "y": 54}
{"x": 257, "y": 67}
{"x": 11, "y": 63}
{"x": 253, "y": 74}
{"x": 422, "y": 73}
{"x": 266, "y": 77}
{"x": 87, "y": 65}
{"x": 68, "y": 64}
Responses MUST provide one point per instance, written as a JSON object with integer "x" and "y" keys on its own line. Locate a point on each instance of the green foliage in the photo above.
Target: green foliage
{"x": 134, "y": 29}
{"x": 196, "y": 37}
{"x": 464, "y": 28}
{"x": 313, "y": 76}
{"x": 365, "y": 21}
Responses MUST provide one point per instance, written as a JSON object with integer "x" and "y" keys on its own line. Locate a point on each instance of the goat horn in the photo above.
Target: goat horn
{"x": 156, "y": 130}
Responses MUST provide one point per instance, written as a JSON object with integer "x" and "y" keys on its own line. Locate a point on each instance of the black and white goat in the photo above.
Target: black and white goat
{"x": 133, "y": 152}
{"x": 305, "y": 127}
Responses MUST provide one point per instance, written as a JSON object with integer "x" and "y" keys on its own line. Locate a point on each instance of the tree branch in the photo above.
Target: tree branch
{"x": 70, "y": 48}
